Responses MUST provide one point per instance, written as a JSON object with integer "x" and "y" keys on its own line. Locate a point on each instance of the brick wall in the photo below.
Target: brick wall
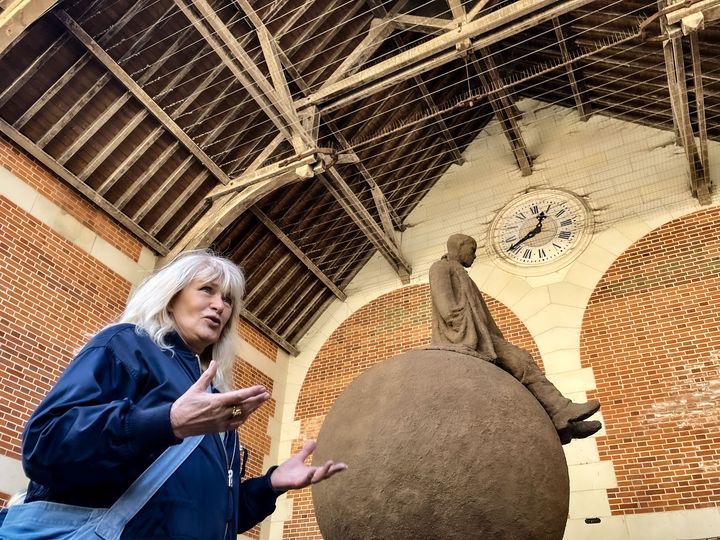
{"x": 651, "y": 333}
{"x": 253, "y": 434}
{"x": 258, "y": 340}
{"x": 383, "y": 328}
{"x": 35, "y": 175}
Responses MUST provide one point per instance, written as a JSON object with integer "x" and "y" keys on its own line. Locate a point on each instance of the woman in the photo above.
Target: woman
{"x": 144, "y": 384}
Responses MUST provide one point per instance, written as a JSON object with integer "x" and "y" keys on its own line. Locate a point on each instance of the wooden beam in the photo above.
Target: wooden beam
{"x": 283, "y": 115}
{"x": 457, "y": 10}
{"x": 380, "y": 30}
{"x": 709, "y": 8}
{"x": 424, "y": 25}
{"x": 477, "y": 8}
{"x": 365, "y": 222}
{"x": 503, "y": 106}
{"x": 49, "y": 162}
{"x": 419, "y": 59}
{"x": 140, "y": 94}
{"x": 704, "y": 187}
{"x": 583, "y": 108}
{"x": 286, "y": 166}
{"x": 387, "y": 213}
{"x": 272, "y": 334}
{"x": 265, "y": 220}
{"x": 681, "y": 111}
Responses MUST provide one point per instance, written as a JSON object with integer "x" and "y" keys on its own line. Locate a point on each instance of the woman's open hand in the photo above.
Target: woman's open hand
{"x": 294, "y": 474}
{"x": 199, "y": 412}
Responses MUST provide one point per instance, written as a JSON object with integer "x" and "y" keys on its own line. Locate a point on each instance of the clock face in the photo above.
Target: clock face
{"x": 541, "y": 228}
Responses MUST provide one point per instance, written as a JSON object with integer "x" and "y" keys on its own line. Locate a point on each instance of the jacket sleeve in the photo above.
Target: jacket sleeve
{"x": 257, "y": 501}
{"x": 87, "y": 428}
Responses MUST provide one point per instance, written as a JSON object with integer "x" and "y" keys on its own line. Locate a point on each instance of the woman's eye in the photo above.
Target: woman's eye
{"x": 206, "y": 288}
{"x": 227, "y": 300}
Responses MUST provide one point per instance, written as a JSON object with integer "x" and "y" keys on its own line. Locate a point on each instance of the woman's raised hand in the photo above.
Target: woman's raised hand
{"x": 199, "y": 412}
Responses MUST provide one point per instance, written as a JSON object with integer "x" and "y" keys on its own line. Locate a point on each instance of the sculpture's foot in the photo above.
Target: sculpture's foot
{"x": 578, "y": 430}
{"x": 574, "y": 412}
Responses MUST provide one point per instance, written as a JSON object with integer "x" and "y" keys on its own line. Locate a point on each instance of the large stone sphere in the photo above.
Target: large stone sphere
{"x": 440, "y": 445}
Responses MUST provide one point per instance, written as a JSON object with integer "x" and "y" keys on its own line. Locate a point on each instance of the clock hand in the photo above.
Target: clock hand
{"x": 529, "y": 235}
{"x": 534, "y": 232}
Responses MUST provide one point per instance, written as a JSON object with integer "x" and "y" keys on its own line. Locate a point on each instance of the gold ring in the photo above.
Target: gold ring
{"x": 237, "y": 411}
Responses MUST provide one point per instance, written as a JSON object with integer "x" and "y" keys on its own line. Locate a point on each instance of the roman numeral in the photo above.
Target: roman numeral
{"x": 565, "y": 235}
{"x": 527, "y": 253}
{"x": 566, "y": 222}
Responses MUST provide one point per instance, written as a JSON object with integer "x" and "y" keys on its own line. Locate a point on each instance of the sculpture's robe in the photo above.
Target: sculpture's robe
{"x": 461, "y": 317}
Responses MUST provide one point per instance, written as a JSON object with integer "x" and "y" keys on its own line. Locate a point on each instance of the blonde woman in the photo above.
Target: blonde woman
{"x": 142, "y": 385}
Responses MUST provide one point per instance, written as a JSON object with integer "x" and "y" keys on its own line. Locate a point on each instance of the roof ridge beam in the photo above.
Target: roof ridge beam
{"x": 419, "y": 59}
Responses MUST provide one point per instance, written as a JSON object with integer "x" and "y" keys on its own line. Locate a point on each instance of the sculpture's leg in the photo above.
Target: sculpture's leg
{"x": 521, "y": 365}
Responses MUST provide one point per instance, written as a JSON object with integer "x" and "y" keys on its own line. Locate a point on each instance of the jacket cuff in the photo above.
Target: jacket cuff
{"x": 268, "y": 474}
{"x": 150, "y": 429}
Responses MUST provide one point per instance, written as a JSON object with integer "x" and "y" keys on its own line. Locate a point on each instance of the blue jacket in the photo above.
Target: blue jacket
{"x": 108, "y": 418}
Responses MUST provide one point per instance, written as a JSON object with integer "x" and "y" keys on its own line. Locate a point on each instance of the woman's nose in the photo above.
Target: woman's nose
{"x": 217, "y": 302}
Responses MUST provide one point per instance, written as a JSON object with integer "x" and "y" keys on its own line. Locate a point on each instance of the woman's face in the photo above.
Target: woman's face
{"x": 200, "y": 312}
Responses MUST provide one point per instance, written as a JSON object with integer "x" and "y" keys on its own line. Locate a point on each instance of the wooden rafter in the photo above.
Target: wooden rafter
{"x": 504, "y": 108}
{"x": 675, "y": 64}
{"x": 265, "y": 220}
{"x": 582, "y": 107}
{"x": 47, "y": 160}
{"x": 457, "y": 10}
{"x": 139, "y": 94}
{"x": 365, "y": 222}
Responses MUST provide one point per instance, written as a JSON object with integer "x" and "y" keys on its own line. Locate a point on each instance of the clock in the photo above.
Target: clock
{"x": 541, "y": 231}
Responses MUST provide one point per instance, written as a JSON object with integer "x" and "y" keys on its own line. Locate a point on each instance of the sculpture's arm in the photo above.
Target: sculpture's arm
{"x": 444, "y": 297}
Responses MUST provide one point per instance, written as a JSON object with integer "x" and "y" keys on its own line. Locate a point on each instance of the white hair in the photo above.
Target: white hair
{"x": 147, "y": 307}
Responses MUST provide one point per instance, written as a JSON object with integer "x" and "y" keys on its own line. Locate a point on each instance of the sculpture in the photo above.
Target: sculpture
{"x": 461, "y": 322}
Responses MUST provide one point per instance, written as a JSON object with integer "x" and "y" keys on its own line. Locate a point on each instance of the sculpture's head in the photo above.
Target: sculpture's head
{"x": 461, "y": 248}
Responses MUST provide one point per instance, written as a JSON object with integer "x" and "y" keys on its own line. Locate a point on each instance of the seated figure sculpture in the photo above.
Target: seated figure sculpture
{"x": 461, "y": 321}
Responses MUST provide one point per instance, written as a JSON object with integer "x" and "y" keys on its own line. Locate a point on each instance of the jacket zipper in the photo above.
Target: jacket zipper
{"x": 228, "y": 460}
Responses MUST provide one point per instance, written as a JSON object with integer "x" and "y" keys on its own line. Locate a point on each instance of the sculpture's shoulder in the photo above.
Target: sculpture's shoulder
{"x": 443, "y": 265}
